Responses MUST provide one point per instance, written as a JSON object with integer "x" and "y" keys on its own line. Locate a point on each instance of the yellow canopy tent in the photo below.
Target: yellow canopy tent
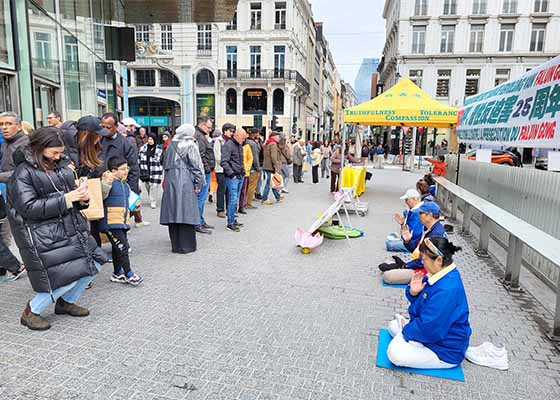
{"x": 405, "y": 104}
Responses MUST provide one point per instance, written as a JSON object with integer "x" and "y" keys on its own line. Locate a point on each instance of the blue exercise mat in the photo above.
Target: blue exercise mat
{"x": 455, "y": 374}
{"x": 393, "y": 286}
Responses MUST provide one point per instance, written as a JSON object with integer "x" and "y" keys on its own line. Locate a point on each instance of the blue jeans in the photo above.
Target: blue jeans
{"x": 396, "y": 245}
{"x": 203, "y": 196}
{"x": 266, "y": 191}
{"x": 234, "y": 186}
{"x": 69, "y": 293}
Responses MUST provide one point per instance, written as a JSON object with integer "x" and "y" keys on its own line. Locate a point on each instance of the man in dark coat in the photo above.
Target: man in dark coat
{"x": 234, "y": 170}
{"x": 14, "y": 139}
{"x": 205, "y": 125}
{"x": 117, "y": 146}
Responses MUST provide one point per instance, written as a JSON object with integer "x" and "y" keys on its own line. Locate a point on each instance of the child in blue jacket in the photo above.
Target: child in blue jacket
{"x": 438, "y": 332}
{"x": 116, "y": 222}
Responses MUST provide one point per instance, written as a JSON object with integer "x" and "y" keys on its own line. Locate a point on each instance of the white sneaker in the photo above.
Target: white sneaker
{"x": 489, "y": 356}
{"x": 141, "y": 224}
{"x": 153, "y": 206}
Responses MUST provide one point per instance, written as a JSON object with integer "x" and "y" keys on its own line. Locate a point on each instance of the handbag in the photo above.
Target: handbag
{"x": 305, "y": 166}
{"x": 277, "y": 182}
{"x": 95, "y": 210}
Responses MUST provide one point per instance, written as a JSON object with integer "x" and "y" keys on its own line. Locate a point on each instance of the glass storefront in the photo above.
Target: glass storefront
{"x": 6, "y": 42}
{"x": 67, "y": 56}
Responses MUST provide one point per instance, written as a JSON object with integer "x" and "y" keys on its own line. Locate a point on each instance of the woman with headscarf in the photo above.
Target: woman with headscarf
{"x": 151, "y": 171}
{"x": 184, "y": 178}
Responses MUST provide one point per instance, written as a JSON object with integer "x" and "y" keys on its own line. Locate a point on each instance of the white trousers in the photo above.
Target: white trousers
{"x": 152, "y": 189}
{"x": 411, "y": 354}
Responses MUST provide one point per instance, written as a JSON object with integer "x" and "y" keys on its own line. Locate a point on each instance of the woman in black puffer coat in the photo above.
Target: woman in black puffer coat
{"x": 44, "y": 206}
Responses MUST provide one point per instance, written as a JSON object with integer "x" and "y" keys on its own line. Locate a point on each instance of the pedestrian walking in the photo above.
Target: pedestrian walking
{"x": 247, "y": 163}
{"x": 286, "y": 160}
{"x": 44, "y": 206}
{"x": 316, "y": 157}
{"x": 234, "y": 170}
{"x": 115, "y": 222}
{"x": 206, "y": 150}
{"x": 227, "y": 131}
{"x": 336, "y": 163}
{"x": 298, "y": 158}
{"x": 325, "y": 161}
{"x": 184, "y": 179}
{"x": 151, "y": 170}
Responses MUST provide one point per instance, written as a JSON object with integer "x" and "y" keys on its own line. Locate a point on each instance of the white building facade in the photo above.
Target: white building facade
{"x": 262, "y": 66}
{"x": 454, "y": 49}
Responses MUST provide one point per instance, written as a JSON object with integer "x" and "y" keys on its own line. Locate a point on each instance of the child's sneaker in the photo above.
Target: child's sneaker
{"x": 119, "y": 277}
{"x": 133, "y": 279}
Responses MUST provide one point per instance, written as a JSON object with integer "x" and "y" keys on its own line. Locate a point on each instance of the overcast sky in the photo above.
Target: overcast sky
{"x": 355, "y": 29}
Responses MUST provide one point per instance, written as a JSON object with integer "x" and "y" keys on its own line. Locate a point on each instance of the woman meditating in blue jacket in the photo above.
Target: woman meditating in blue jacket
{"x": 437, "y": 334}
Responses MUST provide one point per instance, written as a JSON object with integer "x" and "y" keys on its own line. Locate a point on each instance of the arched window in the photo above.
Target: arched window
{"x": 254, "y": 101}
{"x": 231, "y": 101}
{"x": 205, "y": 77}
{"x": 278, "y": 102}
{"x": 168, "y": 79}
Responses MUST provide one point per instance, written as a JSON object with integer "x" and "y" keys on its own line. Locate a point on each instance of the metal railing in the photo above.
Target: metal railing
{"x": 521, "y": 236}
{"x": 265, "y": 75}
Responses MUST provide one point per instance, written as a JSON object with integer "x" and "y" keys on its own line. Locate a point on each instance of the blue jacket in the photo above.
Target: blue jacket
{"x": 437, "y": 230}
{"x": 412, "y": 220}
{"x": 439, "y": 318}
{"x": 117, "y": 214}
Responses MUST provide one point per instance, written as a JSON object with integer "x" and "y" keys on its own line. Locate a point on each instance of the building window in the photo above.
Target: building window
{"x": 278, "y": 102}
{"x": 231, "y": 101}
{"x": 255, "y": 101}
{"x": 471, "y": 85}
{"x": 143, "y": 33}
{"x": 449, "y": 7}
{"x": 541, "y": 6}
{"x": 506, "y": 36}
{"x": 71, "y": 53}
{"x": 231, "y": 54}
{"x": 145, "y": 77}
{"x": 168, "y": 79}
{"x": 43, "y": 49}
{"x": 232, "y": 25}
{"x": 255, "y": 61}
{"x": 205, "y": 78}
{"x": 279, "y": 61}
{"x": 415, "y": 76}
{"x": 204, "y": 39}
{"x": 421, "y": 7}
{"x": 477, "y": 38}
{"x": 502, "y": 75}
{"x": 418, "y": 39}
{"x": 167, "y": 37}
{"x": 99, "y": 37}
{"x": 280, "y": 16}
{"x": 256, "y": 16}
{"x": 510, "y": 7}
{"x": 447, "y": 38}
{"x": 442, "y": 89}
{"x": 537, "y": 37}
{"x": 479, "y": 7}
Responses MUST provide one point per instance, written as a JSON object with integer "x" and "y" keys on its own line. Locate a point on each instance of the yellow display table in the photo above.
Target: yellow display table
{"x": 354, "y": 177}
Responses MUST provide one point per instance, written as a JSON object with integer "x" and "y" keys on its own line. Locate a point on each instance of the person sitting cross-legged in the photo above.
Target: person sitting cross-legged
{"x": 401, "y": 272}
{"x": 411, "y": 219}
{"x": 438, "y": 332}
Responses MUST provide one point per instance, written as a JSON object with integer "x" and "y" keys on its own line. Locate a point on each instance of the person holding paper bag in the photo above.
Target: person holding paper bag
{"x": 116, "y": 222}
{"x": 44, "y": 206}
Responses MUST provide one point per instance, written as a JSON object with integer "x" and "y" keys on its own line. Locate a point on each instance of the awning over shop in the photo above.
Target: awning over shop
{"x": 524, "y": 112}
{"x": 405, "y": 104}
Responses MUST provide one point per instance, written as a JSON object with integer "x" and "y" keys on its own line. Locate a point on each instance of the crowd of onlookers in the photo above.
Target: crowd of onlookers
{"x": 71, "y": 186}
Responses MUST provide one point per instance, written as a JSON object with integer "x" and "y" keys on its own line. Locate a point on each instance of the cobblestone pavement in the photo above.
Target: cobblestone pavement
{"x": 250, "y": 317}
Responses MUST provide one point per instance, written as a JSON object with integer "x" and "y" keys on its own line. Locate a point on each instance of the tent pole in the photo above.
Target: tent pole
{"x": 458, "y": 165}
{"x": 413, "y": 148}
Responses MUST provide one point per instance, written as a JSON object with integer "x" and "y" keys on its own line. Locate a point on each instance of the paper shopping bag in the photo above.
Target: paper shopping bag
{"x": 95, "y": 210}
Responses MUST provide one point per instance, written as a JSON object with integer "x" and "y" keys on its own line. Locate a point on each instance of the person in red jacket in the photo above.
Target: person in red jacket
{"x": 439, "y": 166}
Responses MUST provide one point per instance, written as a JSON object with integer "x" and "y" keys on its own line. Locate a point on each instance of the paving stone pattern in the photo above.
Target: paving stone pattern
{"x": 250, "y": 317}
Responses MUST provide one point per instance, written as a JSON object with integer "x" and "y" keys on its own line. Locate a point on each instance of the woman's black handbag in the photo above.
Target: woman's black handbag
{"x": 3, "y": 213}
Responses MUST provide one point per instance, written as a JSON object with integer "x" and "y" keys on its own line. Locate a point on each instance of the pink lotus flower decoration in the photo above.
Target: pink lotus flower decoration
{"x": 307, "y": 241}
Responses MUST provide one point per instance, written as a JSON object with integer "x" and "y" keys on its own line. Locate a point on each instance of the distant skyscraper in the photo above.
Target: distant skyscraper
{"x": 363, "y": 79}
